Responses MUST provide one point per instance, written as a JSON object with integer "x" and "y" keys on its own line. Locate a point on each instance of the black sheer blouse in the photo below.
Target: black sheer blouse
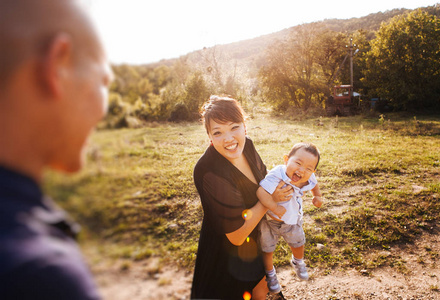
{"x": 225, "y": 271}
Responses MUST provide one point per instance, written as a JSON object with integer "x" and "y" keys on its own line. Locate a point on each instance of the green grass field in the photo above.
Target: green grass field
{"x": 380, "y": 178}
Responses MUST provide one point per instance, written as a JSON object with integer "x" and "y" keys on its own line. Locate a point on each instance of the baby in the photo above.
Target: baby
{"x": 285, "y": 218}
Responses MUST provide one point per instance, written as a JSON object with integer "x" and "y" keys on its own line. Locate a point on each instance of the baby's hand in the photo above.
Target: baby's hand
{"x": 317, "y": 201}
{"x": 279, "y": 211}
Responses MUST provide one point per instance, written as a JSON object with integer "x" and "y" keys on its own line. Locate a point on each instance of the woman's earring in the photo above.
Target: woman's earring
{"x": 210, "y": 142}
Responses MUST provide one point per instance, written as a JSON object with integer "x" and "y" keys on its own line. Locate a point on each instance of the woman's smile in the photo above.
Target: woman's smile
{"x": 232, "y": 147}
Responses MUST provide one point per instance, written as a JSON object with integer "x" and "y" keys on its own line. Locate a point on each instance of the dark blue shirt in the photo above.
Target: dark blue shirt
{"x": 39, "y": 258}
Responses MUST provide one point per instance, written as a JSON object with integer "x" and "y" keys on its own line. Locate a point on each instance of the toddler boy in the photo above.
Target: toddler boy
{"x": 284, "y": 219}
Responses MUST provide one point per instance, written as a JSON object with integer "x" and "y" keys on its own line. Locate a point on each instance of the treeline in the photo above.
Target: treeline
{"x": 174, "y": 93}
{"x": 400, "y": 62}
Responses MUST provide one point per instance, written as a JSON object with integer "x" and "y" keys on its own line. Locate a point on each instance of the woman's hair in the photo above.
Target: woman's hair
{"x": 221, "y": 110}
{"x": 309, "y": 147}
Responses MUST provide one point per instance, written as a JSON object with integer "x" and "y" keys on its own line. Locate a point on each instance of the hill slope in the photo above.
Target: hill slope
{"x": 248, "y": 53}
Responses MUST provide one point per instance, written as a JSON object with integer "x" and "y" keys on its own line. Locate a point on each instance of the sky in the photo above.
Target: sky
{"x": 146, "y": 31}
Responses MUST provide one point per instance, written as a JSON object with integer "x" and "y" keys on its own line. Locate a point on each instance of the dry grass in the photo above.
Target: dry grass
{"x": 136, "y": 198}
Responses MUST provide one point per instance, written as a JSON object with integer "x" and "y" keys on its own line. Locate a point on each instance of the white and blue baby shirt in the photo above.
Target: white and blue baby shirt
{"x": 293, "y": 206}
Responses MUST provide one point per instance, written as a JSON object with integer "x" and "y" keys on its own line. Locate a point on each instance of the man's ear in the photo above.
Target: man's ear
{"x": 56, "y": 63}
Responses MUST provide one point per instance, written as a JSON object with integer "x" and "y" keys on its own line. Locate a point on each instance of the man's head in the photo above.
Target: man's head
{"x": 54, "y": 80}
{"x": 301, "y": 162}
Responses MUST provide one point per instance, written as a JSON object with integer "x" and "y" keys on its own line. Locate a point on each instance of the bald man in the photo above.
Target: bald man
{"x": 54, "y": 80}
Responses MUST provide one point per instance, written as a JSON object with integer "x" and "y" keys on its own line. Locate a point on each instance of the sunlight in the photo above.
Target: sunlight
{"x": 148, "y": 31}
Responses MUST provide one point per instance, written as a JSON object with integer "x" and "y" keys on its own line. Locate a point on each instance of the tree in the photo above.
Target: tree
{"x": 160, "y": 77}
{"x": 213, "y": 67}
{"x": 361, "y": 41}
{"x": 403, "y": 64}
{"x": 132, "y": 82}
{"x": 197, "y": 92}
{"x": 300, "y": 70}
{"x": 332, "y": 49}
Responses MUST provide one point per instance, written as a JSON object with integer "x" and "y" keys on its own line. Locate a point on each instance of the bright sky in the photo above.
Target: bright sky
{"x": 145, "y": 31}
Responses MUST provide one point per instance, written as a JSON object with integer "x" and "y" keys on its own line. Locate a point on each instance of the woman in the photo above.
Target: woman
{"x": 229, "y": 263}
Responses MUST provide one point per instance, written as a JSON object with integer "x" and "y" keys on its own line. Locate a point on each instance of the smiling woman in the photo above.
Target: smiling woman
{"x": 229, "y": 262}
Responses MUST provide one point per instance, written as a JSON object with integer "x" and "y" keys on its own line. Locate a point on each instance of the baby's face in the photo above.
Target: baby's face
{"x": 300, "y": 166}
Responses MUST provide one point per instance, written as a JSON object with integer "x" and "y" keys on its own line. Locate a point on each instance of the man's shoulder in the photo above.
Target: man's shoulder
{"x": 31, "y": 244}
{"x": 45, "y": 263}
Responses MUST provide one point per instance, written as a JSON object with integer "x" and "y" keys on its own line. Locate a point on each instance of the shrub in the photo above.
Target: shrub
{"x": 179, "y": 113}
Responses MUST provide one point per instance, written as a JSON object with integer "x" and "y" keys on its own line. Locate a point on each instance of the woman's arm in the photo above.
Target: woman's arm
{"x": 267, "y": 200}
{"x": 252, "y": 219}
{"x": 255, "y": 214}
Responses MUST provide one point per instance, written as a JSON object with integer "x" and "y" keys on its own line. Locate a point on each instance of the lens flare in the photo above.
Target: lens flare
{"x": 246, "y": 214}
{"x": 247, "y": 295}
{"x": 248, "y": 251}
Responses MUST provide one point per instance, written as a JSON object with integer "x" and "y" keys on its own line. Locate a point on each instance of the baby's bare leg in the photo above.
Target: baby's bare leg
{"x": 268, "y": 261}
{"x": 298, "y": 252}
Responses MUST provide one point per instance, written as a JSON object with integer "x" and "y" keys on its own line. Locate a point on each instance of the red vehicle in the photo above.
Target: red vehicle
{"x": 341, "y": 102}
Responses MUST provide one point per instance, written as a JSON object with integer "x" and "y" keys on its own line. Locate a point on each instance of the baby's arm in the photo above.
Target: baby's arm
{"x": 266, "y": 199}
{"x": 317, "y": 197}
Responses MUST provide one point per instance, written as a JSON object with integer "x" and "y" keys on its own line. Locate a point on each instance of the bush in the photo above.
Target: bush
{"x": 180, "y": 113}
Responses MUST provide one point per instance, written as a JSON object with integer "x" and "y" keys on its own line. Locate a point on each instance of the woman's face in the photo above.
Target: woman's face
{"x": 228, "y": 139}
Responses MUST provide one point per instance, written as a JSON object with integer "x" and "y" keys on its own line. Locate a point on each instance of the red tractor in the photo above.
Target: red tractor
{"x": 341, "y": 102}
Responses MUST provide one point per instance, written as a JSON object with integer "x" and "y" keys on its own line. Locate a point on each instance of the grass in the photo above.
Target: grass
{"x": 136, "y": 199}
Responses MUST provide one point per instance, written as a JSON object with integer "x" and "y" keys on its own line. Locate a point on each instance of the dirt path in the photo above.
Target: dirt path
{"x": 383, "y": 284}
{"x": 420, "y": 279}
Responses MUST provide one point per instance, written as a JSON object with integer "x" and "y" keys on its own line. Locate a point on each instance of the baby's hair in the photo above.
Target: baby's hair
{"x": 221, "y": 110}
{"x": 309, "y": 147}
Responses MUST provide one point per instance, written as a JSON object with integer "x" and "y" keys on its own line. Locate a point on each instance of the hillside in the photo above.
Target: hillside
{"x": 249, "y": 53}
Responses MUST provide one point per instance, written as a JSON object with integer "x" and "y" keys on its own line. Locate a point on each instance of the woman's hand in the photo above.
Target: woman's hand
{"x": 282, "y": 193}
